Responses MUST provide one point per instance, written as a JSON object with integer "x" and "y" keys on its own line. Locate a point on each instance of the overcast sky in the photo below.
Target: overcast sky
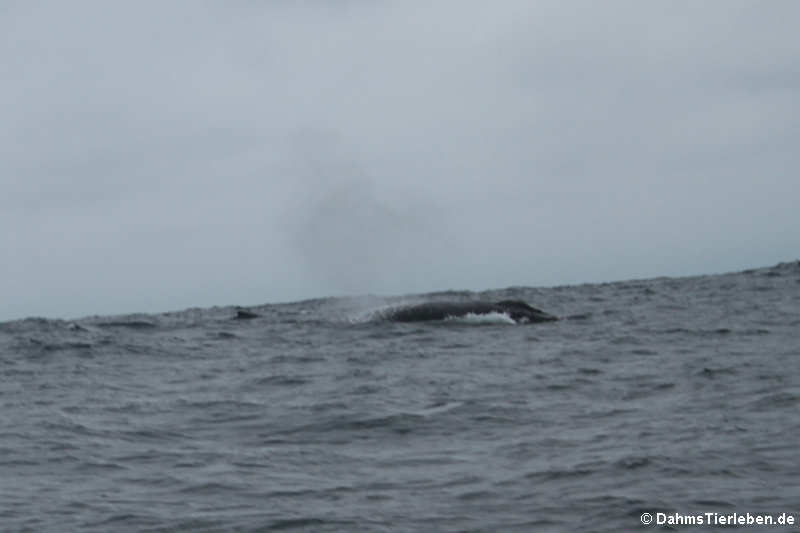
{"x": 162, "y": 155}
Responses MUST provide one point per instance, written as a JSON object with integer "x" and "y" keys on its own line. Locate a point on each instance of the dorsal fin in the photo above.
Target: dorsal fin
{"x": 519, "y": 304}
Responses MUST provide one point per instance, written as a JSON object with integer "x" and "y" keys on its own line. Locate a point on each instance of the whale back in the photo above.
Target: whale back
{"x": 519, "y": 310}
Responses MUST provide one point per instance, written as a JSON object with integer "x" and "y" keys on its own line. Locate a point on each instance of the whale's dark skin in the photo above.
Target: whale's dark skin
{"x": 519, "y": 311}
{"x": 244, "y": 314}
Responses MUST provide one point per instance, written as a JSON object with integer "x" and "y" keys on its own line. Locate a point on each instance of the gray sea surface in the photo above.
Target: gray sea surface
{"x": 653, "y": 396}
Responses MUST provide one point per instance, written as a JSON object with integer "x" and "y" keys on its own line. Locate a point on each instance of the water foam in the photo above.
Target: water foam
{"x": 484, "y": 318}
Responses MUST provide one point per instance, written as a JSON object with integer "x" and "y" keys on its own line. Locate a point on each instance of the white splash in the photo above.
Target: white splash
{"x": 483, "y": 318}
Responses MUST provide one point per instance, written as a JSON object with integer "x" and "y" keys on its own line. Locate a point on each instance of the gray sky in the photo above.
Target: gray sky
{"x": 162, "y": 155}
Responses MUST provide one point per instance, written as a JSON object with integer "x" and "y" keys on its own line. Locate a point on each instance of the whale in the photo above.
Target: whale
{"x": 519, "y": 311}
{"x": 244, "y": 314}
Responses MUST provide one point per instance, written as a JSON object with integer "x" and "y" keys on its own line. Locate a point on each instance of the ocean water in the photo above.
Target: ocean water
{"x": 672, "y": 396}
